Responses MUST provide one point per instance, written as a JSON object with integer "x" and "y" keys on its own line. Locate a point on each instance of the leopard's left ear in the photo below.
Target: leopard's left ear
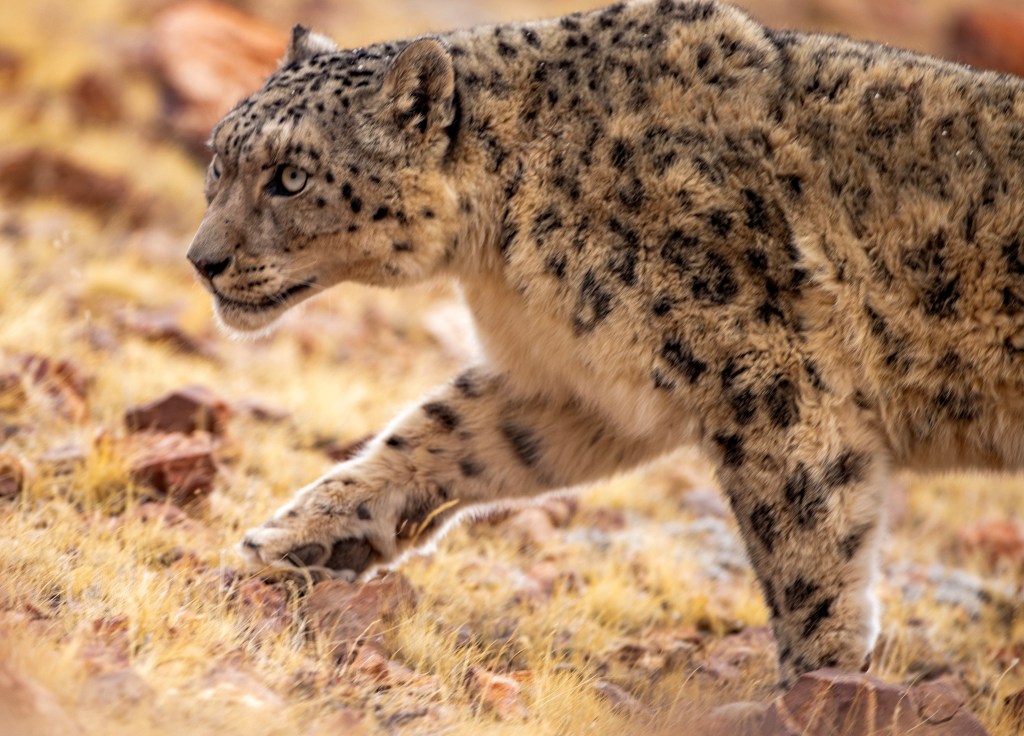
{"x": 419, "y": 90}
{"x": 305, "y": 43}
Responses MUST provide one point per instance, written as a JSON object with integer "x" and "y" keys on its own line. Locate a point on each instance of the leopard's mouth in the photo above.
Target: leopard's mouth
{"x": 267, "y": 303}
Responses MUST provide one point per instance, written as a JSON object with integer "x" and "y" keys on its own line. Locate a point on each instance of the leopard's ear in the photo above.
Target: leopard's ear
{"x": 419, "y": 90}
{"x": 305, "y": 43}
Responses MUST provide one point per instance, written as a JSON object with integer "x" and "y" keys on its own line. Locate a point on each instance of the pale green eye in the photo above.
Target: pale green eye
{"x": 288, "y": 180}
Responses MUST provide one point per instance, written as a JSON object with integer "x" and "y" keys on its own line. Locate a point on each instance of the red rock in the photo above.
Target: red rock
{"x": 371, "y": 661}
{"x": 179, "y": 467}
{"x": 63, "y": 459}
{"x": 27, "y": 708}
{"x": 989, "y": 38}
{"x": 12, "y": 392}
{"x": 104, "y": 644}
{"x": 186, "y": 410}
{"x": 343, "y": 614}
{"x": 151, "y": 512}
{"x": 164, "y": 327}
{"x": 604, "y": 519}
{"x": 15, "y": 473}
{"x": 995, "y": 539}
{"x": 262, "y": 412}
{"x": 96, "y": 98}
{"x": 826, "y": 702}
{"x": 62, "y": 380}
{"x": 727, "y": 658}
{"x": 634, "y": 663}
{"x": 262, "y": 603}
{"x": 209, "y": 56}
{"x": 36, "y": 172}
{"x": 11, "y": 66}
{"x": 548, "y": 575}
{"x": 618, "y": 698}
{"x": 744, "y": 718}
{"x": 939, "y": 701}
{"x": 500, "y": 694}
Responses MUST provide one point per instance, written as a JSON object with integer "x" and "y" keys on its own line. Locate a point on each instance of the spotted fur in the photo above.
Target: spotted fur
{"x": 672, "y": 225}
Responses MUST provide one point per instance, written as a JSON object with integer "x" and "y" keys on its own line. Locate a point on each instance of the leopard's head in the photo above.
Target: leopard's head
{"x": 334, "y": 171}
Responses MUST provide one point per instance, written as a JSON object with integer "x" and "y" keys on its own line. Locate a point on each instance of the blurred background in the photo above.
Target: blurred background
{"x": 137, "y": 443}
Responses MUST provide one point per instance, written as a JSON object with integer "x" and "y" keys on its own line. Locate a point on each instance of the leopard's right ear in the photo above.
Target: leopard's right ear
{"x": 419, "y": 90}
{"x": 305, "y": 44}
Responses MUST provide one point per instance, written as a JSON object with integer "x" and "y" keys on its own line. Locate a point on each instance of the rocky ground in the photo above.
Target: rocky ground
{"x": 136, "y": 444}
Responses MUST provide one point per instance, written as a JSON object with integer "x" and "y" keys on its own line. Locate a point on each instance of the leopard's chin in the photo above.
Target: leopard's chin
{"x": 257, "y": 317}
{"x": 246, "y": 325}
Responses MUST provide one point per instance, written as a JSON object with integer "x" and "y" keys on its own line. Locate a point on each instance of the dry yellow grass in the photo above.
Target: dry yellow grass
{"x": 84, "y": 580}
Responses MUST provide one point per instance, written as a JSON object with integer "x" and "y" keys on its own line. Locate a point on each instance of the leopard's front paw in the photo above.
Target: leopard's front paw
{"x": 331, "y": 528}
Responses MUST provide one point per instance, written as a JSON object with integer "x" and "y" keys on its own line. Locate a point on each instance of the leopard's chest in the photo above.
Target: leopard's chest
{"x": 541, "y": 355}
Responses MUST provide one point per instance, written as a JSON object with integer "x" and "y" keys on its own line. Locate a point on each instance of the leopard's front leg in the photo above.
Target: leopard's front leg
{"x": 808, "y": 495}
{"x": 474, "y": 442}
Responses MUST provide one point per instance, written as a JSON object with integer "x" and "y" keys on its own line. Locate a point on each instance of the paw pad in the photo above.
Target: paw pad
{"x": 306, "y": 555}
{"x": 350, "y": 554}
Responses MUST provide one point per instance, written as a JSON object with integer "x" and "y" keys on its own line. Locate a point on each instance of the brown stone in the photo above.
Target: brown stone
{"x": 371, "y": 661}
{"x": 187, "y": 410}
{"x": 343, "y": 614}
{"x": 15, "y": 473}
{"x": 549, "y": 575}
{"x": 633, "y": 663}
{"x": 744, "y": 718}
{"x": 500, "y": 694}
{"x": 63, "y": 381}
{"x": 12, "y": 392}
{"x": 104, "y": 644}
{"x": 266, "y": 605}
{"x": 179, "y": 467}
{"x": 63, "y": 459}
{"x": 209, "y": 56}
{"x": 96, "y": 98}
{"x": 11, "y": 67}
{"x": 37, "y": 172}
{"x": 262, "y": 412}
{"x": 164, "y": 327}
{"x": 995, "y": 539}
{"x": 989, "y": 38}
{"x": 826, "y": 702}
{"x": 619, "y": 698}
{"x": 727, "y": 658}
{"x": 939, "y": 700}
{"x": 151, "y": 512}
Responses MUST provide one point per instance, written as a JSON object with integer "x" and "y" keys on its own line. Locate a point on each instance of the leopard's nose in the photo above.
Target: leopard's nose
{"x": 209, "y": 269}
